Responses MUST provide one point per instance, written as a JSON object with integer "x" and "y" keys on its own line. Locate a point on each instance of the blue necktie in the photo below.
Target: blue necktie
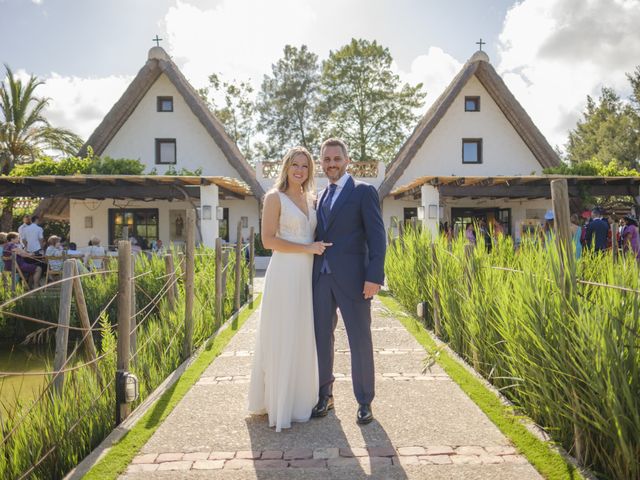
{"x": 326, "y": 211}
{"x": 326, "y": 205}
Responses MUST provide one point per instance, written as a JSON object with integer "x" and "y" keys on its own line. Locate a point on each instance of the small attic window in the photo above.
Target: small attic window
{"x": 165, "y": 104}
{"x": 471, "y": 104}
{"x": 165, "y": 151}
{"x": 471, "y": 150}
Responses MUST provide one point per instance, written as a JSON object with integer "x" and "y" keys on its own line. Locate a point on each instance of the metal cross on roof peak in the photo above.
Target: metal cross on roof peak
{"x": 481, "y": 43}
{"x": 157, "y": 40}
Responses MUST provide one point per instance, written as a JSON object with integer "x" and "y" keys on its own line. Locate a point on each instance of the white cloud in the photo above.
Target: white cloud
{"x": 435, "y": 70}
{"x": 80, "y": 104}
{"x": 239, "y": 38}
{"x": 553, "y": 53}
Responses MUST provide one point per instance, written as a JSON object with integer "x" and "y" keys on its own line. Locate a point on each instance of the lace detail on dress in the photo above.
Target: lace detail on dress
{"x": 294, "y": 225}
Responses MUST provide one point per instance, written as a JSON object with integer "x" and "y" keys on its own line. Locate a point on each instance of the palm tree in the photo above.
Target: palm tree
{"x": 24, "y": 131}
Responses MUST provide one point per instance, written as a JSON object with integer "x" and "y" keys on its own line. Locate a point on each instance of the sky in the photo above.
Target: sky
{"x": 550, "y": 53}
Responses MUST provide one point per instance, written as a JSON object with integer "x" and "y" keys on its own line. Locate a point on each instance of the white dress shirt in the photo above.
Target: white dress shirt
{"x": 33, "y": 234}
{"x": 342, "y": 181}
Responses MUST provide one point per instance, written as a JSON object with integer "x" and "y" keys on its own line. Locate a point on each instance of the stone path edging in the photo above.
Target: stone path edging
{"x": 326, "y": 458}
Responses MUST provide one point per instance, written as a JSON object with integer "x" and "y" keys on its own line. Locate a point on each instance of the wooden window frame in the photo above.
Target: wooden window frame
{"x": 477, "y": 141}
{"x": 159, "y": 104}
{"x": 160, "y": 141}
{"x": 475, "y": 98}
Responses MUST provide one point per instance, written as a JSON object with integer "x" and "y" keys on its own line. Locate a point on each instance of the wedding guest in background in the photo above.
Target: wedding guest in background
{"x": 630, "y": 240}
{"x": 31, "y": 270}
{"x": 597, "y": 231}
{"x": 576, "y": 234}
{"x": 54, "y": 249}
{"x": 26, "y": 221}
{"x": 470, "y": 234}
{"x": 95, "y": 253}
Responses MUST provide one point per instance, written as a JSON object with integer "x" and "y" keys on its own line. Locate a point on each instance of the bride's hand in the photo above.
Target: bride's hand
{"x": 318, "y": 248}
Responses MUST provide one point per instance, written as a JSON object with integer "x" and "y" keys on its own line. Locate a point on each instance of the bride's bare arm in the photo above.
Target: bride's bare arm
{"x": 270, "y": 219}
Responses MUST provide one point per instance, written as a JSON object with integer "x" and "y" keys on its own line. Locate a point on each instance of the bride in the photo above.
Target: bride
{"x": 284, "y": 376}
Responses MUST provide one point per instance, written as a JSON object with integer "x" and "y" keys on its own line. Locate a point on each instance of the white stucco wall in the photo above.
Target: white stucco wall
{"x": 194, "y": 146}
{"x": 242, "y": 208}
{"x": 503, "y": 151}
{"x": 99, "y": 211}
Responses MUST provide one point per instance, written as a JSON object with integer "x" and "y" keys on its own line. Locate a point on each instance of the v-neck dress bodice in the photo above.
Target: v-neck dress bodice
{"x": 294, "y": 225}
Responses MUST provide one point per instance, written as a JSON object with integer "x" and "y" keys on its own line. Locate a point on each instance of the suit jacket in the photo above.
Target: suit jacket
{"x": 356, "y": 229}
{"x": 597, "y": 230}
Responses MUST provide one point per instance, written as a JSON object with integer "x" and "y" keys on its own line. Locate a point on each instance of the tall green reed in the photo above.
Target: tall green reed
{"x": 81, "y": 417}
{"x": 569, "y": 358}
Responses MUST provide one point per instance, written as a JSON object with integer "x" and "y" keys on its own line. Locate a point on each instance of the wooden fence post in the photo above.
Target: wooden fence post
{"x": 252, "y": 255}
{"x": 238, "y": 285}
{"x": 437, "y": 326}
{"x": 83, "y": 313}
{"x": 562, "y": 222}
{"x": 62, "y": 333}
{"x": 133, "y": 337}
{"x": 560, "y": 199}
{"x": 171, "y": 277}
{"x": 189, "y": 284}
{"x": 614, "y": 241}
{"x": 123, "y": 409}
{"x": 218, "y": 280}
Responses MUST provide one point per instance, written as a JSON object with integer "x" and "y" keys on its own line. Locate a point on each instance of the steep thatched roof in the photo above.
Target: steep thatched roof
{"x": 157, "y": 64}
{"x": 479, "y": 66}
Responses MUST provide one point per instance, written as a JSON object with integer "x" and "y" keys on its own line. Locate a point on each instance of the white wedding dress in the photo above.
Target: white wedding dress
{"x": 284, "y": 376}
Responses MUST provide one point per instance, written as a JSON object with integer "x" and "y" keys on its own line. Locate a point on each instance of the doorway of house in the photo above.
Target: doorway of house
{"x": 460, "y": 217}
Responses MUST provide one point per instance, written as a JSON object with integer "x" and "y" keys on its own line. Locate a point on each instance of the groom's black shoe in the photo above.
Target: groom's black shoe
{"x": 364, "y": 414}
{"x": 325, "y": 403}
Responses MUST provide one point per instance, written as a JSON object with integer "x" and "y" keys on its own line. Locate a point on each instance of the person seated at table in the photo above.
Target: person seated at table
{"x": 32, "y": 271}
{"x": 73, "y": 249}
{"x": 54, "y": 249}
{"x": 135, "y": 246}
{"x": 95, "y": 253}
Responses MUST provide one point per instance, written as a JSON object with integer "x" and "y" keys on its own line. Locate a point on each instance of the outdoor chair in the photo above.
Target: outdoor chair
{"x": 54, "y": 273}
{"x": 6, "y": 275}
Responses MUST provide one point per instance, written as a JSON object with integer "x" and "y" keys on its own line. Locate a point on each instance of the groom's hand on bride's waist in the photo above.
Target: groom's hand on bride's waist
{"x": 370, "y": 289}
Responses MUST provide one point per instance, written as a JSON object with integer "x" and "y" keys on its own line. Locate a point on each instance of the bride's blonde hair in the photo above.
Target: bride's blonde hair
{"x": 282, "y": 182}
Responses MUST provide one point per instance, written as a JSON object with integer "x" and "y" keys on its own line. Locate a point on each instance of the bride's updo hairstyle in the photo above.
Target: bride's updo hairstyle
{"x": 282, "y": 182}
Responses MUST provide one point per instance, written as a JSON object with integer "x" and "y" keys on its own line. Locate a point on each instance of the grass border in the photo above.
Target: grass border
{"x": 122, "y": 452}
{"x": 549, "y": 463}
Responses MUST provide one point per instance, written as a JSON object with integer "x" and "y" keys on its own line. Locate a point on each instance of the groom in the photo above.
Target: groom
{"x": 346, "y": 276}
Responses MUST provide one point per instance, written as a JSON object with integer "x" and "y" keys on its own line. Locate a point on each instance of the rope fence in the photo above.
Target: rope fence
{"x": 180, "y": 270}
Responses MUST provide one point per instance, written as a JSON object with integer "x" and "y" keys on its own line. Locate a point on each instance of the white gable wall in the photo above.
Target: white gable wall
{"x": 194, "y": 146}
{"x": 503, "y": 151}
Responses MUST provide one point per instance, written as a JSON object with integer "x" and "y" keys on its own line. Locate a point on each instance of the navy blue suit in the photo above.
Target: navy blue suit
{"x": 597, "y": 233}
{"x": 356, "y": 229}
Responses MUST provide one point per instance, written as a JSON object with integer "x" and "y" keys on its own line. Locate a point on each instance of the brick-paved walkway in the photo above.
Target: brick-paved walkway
{"x": 425, "y": 426}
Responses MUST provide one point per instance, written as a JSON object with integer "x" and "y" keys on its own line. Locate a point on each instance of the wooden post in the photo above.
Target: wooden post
{"x": 562, "y": 222}
{"x": 133, "y": 337}
{"x": 14, "y": 270}
{"x": 238, "y": 285}
{"x": 83, "y": 313}
{"x": 171, "y": 277}
{"x": 614, "y": 241}
{"x": 124, "y": 316}
{"x": 437, "y": 326}
{"x": 62, "y": 333}
{"x": 189, "y": 284}
{"x": 252, "y": 255}
{"x": 218, "y": 280}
